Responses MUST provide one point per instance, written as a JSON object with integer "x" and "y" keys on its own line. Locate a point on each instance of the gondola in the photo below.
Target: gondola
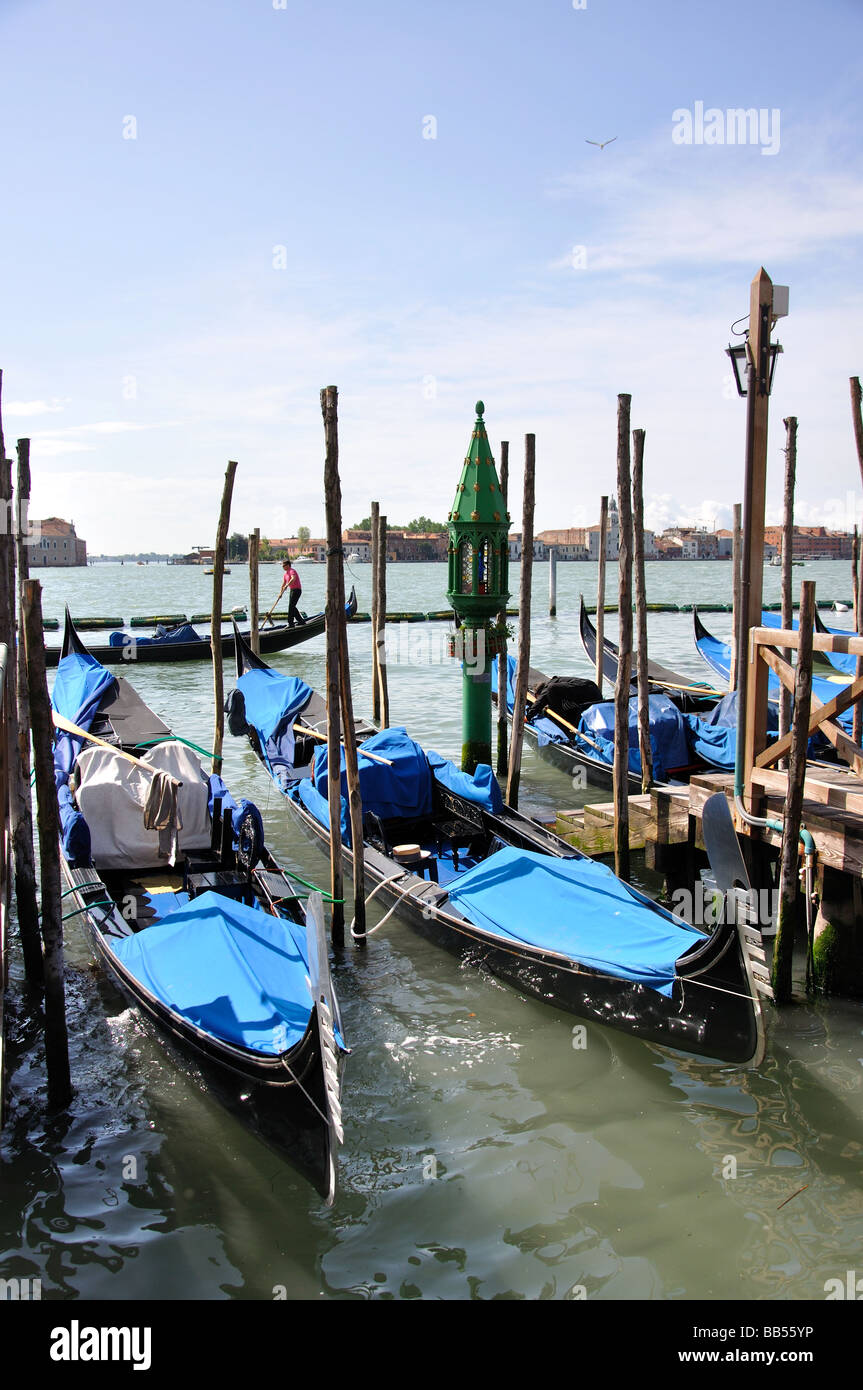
{"x": 184, "y": 643}
{"x": 692, "y": 697}
{"x": 194, "y": 919}
{"x": 493, "y": 885}
{"x": 717, "y": 655}
{"x": 572, "y": 727}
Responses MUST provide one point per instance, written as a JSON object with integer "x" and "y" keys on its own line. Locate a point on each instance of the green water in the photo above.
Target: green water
{"x": 484, "y": 1155}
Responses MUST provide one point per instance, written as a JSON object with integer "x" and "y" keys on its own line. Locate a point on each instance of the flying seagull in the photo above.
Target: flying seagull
{"x": 601, "y": 143}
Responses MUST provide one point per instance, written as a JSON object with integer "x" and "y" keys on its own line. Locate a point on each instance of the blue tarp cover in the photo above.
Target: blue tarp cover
{"x": 184, "y": 633}
{"x": 717, "y": 654}
{"x": 481, "y": 788}
{"x": 667, "y": 734}
{"x": 510, "y": 680}
{"x": 272, "y": 704}
{"x": 404, "y": 789}
{"x": 577, "y": 907}
{"x": 232, "y": 970}
{"x": 79, "y": 686}
{"x": 305, "y": 791}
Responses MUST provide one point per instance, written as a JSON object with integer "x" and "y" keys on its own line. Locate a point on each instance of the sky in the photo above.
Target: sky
{"x": 212, "y": 210}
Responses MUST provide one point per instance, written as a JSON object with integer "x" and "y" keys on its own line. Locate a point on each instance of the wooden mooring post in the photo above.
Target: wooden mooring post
{"x": 789, "y": 882}
{"x": 380, "y": 635}
{"x": 254, "y": 575}
{"x": 523, "y": 670}
{"x": 20, "y": 796}
{"x": 552, "y": 581}
{"x": 788, "y": 557}
{"x": 216, "y": 619}
{"x": 641, "y": 610}
{"x": 56, "y": 1036}
{"x": 600, "y": 588}
{"x": 502, "y": 658}
{"x": 736, "y": 552}
{"x": 623, "y": 683}
{"x": 333, "y": 496}
{"x": 376, "y": 559}
{"x": 857, "y": 426}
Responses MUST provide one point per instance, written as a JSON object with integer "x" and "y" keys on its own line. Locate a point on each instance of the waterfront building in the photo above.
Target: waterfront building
{"x": 57, "y": 546}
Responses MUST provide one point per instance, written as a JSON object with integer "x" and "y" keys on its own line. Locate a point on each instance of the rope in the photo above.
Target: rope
{"x": 102, "y": 902}
{"x": 312, "y": 1102}
{"x": 175, "y": 738}
{"x": 405, "y": 893}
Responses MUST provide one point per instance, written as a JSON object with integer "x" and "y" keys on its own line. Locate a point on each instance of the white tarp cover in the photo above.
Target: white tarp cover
{"x": 112, "y": 796}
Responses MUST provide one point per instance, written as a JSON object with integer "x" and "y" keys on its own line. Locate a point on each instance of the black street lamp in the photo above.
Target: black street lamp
{"x": 741, "y": 362}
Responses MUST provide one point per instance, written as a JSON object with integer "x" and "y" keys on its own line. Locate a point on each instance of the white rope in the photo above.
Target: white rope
{"x": 404, "y": 893}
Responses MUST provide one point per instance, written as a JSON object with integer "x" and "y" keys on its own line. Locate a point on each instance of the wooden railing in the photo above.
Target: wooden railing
{"x": 764, "y": 643}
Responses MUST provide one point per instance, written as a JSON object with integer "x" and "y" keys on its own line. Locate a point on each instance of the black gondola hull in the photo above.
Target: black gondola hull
{"x": 700, "y": 1017}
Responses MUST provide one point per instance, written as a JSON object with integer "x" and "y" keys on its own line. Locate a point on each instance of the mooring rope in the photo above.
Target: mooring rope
{"x": 404, "y": 893}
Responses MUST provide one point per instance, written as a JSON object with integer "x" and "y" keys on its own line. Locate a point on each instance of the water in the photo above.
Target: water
{"x": 485, "y": 1156}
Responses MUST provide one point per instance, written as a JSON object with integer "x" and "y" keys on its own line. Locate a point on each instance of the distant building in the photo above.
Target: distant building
{"x": 58, "y": 545}
{"x": 290, "y": 546}
{"x": 812, "y": 542}
{"x": 415, "y": 546}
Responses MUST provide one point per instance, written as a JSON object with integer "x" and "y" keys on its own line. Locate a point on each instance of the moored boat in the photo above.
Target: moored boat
{"x": 184, "y": 643}
{"x": 192, "y": 916}
{"x": 488, "y": 882}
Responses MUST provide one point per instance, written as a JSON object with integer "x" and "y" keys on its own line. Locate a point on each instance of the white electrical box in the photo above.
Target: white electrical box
{"x": 780, "y": 301}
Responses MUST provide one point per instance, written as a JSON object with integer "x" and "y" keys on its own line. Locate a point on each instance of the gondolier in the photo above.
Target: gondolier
{"x": 291, "y": 581}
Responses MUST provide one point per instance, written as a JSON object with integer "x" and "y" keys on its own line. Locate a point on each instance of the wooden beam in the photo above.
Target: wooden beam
{"x": 817, "y": 714}
{"x": 216, "y": 618}
{"x": 523, "y": 669}
{"x": 332, "y": 501}
{"x": 600, "y": 589}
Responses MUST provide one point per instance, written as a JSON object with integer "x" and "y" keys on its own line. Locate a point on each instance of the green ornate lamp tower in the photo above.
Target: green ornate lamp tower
{"x": 477, "y": 587}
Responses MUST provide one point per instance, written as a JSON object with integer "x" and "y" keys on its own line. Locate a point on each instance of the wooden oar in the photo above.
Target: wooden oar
{"x": 313, "y": 733}
{"x": 566, "y": 724}
{"x": 269, "y": 617}
{"x": 61, "y": 722}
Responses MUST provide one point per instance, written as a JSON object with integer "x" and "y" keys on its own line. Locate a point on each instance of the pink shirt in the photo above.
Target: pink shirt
{"x": 291, "y": 579}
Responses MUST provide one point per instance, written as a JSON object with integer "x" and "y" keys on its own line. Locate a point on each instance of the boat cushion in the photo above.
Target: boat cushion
{"x": 232, "y": 970}
{"x": 112, "y": 795}
{"x": 579, "y": 908}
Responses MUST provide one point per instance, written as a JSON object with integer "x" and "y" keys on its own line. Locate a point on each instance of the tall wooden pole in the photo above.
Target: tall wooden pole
{"x": 216, "y": 619}
{"x": 335, "y": 612}
{"x": 335, "y": 557}
{"x": 600, "y": 589}
{"x": 855, "y": 564}
{"x": 736, "y": 619}
{"x": 790, "y": 864}
{"x": 382, "y": 623}
{"x": 523, "y": 671}
{"x": 376, "y": 560}
{"x": 787, "y": 558}
{"x": 754, "y": 694}
{"x": 502, "y": 659}
{"x": 22, "y": 804}
{"x": 857, "y": 425}
{"x": 623, "y": 684}
{"x": 552, "y": 581}
{"x": 641, "y": 610}
{"x": 56, "y": 1037}
{"x": 254, "y": 576}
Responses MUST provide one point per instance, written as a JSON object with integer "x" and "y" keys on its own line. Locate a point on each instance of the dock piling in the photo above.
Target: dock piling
{"x": 622, "y": 686}
{"x": 789, "y": 882}
{"x": 502, "y": 661}
{"x": 56, "y": 1036}
{"x": 641, "y": 611}
{"x": 523, "y": 670}
{"x": 216, "y": 619}
{"x": 600, "y": 588}
{"x": 332, "y": 497}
